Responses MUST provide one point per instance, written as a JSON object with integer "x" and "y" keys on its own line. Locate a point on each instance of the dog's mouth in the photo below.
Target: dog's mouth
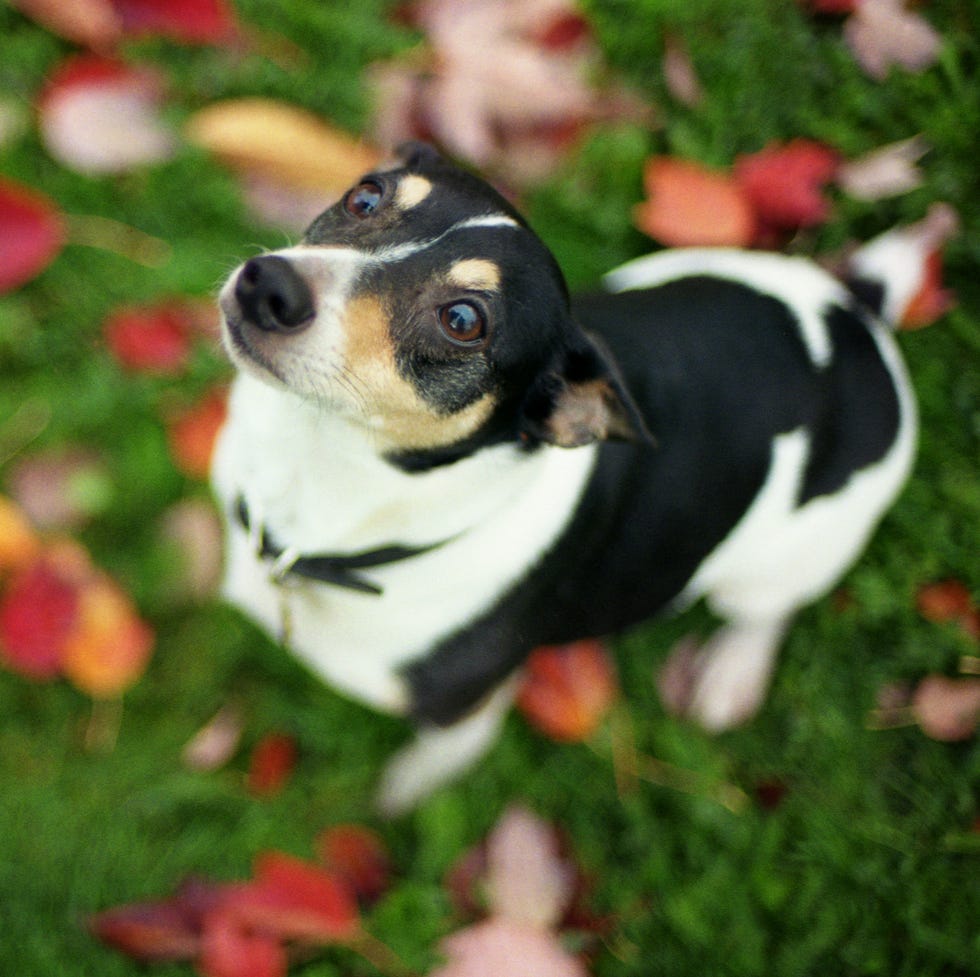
{"x": 242, "y": 351}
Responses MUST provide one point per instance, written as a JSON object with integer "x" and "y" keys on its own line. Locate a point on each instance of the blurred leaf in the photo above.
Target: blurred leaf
{"x": 32, "y": 232}
{"x": 151, "y": 339}
{"x": 271, "y": 764}
{"x": 883, "y": 33}
{"x": 192, "y": 432}
{"x": 99, "y": 116}
{"x": 356, "y": 856}
{"x": 947, "y": 709}
{"x": 568, "y": 689}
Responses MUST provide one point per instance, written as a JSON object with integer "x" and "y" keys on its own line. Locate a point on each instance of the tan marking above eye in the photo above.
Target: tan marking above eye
{"x": 412, "y": 190}
{"x": 479, "y": 274}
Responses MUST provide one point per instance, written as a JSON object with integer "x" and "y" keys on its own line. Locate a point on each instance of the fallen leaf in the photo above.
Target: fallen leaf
{"x": 294, "y": 900}
{"x": 884, "y": 172}
{"x": 61, "y": 488}
{"x": 231, "y": 949}
{"x": 215, "y": 743}
{"x": 944, "y": 601}
{"x": 501, "y": 946}
{"x": 32, "y": 233}
{"x": 150, "y": 931}
{"x": 190, "y": 21}
{"x": 38, "y": 609}
{"x": 109, "y": 645}
{"x": 19, "y": 543}
{"x": 947, "y": 709}
{"x": 306, "y": 152}
{"x": 271, "y": 764}
{"x": 568, "y": 689}
{"x": 193, "y": 539}
{"x": 784, "y": 183}
{"x": 690, "y": 204}
{"x": 94, "y": 23}
{"x": 932, "y": 301}
{"x": 151, "y": 338}
{"x": 883, "y": 33}
{"x": 357, "y": 857}
{"x": 100, "y": 116}
{"x": 679, "y": 74}
{"x": 192, "y": 432}
{"x": 527, "y": 880}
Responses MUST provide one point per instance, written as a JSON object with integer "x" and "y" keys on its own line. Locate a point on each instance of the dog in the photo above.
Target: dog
{"x": 435, "y": 460}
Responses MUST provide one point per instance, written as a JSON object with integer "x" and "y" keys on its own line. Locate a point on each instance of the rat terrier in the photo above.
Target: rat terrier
{"x": 435, "y": 461}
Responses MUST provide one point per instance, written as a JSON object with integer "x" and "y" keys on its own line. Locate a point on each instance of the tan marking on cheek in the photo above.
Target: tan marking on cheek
{"x": 412, "y": 190}
{"x": 391, "y": 406}
{"x": 476, "y": 273}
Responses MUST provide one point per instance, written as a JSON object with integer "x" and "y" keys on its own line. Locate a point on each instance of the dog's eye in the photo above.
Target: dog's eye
{"x": 364, "y": 199}
{"x": 463, "y": 322}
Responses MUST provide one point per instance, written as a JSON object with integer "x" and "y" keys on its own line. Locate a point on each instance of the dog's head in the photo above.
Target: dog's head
{"x": 422, "y": 306}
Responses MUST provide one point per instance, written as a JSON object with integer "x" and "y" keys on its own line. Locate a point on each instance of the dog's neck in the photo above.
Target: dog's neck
{"x": 320, "y": 482}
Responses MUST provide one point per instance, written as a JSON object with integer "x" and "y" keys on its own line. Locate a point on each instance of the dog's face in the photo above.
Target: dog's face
{"x": 422, "y": 306}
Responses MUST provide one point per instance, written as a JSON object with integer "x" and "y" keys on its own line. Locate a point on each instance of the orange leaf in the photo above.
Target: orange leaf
{"x": 931, "y": 300}
{"x": 692, "y": 205}
{"x": 192, "y": 434}
{"x": 294, "y": 900}
{"x": 358, "y": 857}
{"x": 90, "y": 22}
{"x": 109, "y": 645}
{"x": 306, "y": 152}
{"x": 568, "y": 689}
{"x": 271, "y": 764}
{"x": 19, "y": 544}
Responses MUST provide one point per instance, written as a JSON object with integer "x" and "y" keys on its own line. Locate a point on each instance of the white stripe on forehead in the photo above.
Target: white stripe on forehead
{"x": 398, "y": 252}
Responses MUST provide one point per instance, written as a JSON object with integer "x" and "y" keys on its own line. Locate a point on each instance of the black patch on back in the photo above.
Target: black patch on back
{"x": 860, "y": 413}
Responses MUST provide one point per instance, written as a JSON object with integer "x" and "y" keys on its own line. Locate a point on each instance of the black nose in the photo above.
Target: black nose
{"x": 272, "y": 295}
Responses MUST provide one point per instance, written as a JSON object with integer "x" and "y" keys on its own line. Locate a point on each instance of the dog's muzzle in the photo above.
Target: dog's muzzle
{"x": 273, "y": 296}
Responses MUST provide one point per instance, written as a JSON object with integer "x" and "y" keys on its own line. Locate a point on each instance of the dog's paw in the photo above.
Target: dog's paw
{"x": 722, "y": 683}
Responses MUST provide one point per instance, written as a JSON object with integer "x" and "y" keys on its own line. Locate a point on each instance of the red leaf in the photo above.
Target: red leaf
{"x": 358, "y": 857}
{"x": 947, "y": 600}
{"x": 152, "y": 339}
{"x": 568, "y": 689}
{"x": 150, "y": 931}
{"x": 931, "y": 300}
{"x": 102, "y": 116}
{"x": 294, "y": 900}
{"x": 784, "y": 183}
{"x": 194, "y": 21}
{"x": 230, "y": 949}
{"x": 271, "y": 763}
{"x": 192, "y": 434}
{"x": 32, "y": 233}
{"x": 37, "y": 613}
{"x": 691, "y": 205}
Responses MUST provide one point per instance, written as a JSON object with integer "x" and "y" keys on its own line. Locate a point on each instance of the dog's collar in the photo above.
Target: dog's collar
{"x": 337, "y": 569}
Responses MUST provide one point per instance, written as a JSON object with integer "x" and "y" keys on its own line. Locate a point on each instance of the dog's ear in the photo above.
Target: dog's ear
{"x": 581, "y": 398}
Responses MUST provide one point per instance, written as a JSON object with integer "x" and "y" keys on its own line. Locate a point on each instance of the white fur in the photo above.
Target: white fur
{"x": 779, "y": 557}
{"x": 316, "y": 483}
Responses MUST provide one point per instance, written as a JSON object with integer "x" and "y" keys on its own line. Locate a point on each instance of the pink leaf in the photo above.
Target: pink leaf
{"x": 501, "y": 946}
{"x": 191, "y": 532}
{"x": 150, "y": 931}
{"x": 215, "y": 743}
{"x": 882, "y": 33}
{"x": 679, "y": 74}
{"x": 90, "y": 22}
{"x": 784, "y": 183}
{"x": 885, "y": 172}
{"x": 99, "y": 116}
{"x": 61, "y": 488}
{"x": 527, "y": 880}
{"x": 947, "y": 709}
{"x": 32, "y": 233}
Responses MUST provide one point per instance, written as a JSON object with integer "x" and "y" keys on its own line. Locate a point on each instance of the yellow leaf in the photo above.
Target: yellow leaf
{"x": 284, "y": 143}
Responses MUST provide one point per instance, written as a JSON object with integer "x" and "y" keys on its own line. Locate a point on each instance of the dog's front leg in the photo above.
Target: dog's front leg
{"x": 439, "y": 754}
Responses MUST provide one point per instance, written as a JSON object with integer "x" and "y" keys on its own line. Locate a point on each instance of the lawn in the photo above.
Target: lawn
{"x": 808, "y": 842}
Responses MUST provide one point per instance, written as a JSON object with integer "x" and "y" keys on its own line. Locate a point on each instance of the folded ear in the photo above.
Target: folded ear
{"x": 582, "y": 398}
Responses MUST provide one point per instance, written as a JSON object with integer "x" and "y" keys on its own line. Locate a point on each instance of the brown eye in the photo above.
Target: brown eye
{"x": 463, "y": 322}
{"x": 364, "y": 199}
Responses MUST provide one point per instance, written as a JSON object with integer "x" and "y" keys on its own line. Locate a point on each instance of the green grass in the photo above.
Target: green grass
{"x": 867, "y": 866}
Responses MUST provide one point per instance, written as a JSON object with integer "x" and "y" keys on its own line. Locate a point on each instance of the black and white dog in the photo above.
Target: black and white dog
{"x": 435, "y": 462}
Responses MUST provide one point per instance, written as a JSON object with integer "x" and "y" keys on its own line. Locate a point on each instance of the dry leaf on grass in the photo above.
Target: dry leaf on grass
{"x": 883, "y": 33}
{"x": 32, "y": 233}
